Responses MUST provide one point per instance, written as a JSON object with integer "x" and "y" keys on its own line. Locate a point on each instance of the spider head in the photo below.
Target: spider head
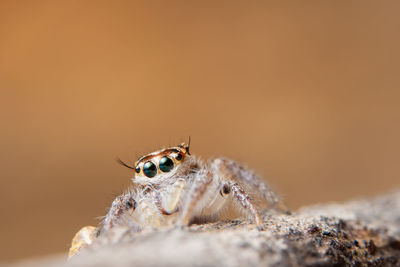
{"x": 160, "y": 164}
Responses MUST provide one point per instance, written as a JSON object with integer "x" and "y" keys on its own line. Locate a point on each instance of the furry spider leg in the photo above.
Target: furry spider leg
{"x": 244, "y": 200}
{"x": 199, "y": 187}
{"x": 246, "y": 178}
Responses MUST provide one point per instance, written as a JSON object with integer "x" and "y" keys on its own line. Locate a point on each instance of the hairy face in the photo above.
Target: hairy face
{"x": 160, "y": 164}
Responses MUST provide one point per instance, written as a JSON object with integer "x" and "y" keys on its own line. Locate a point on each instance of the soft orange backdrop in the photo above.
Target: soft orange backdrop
{"x": 304, "y": 92}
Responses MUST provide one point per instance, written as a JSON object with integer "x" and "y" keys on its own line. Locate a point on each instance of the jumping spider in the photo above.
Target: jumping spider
{"x": 173, "y": 187}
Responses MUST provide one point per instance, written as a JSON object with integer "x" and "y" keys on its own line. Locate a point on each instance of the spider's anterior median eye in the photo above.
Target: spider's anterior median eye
{"x": 150, "y": 169}
{"x": 166, "y": 164}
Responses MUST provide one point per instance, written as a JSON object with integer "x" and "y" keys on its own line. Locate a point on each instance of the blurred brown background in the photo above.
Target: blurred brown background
{"x": 304, "y": 92}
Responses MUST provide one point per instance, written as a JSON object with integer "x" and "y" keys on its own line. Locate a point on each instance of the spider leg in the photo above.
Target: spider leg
{"x": 196, "y": 192}
{"x": 119, "y": 207}
{"x": 231, "y": 170}
{"x": 244, "y": 200}
{"x": 86, "y": 235}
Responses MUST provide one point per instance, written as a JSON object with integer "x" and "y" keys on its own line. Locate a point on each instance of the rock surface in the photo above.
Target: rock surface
{"x": 356, "y": 233}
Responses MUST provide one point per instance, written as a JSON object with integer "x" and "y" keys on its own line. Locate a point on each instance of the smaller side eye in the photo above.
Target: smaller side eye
{"x": 137, "y": 169}
{"x": 166, "y": 164}
{"x": 178, "y": 156}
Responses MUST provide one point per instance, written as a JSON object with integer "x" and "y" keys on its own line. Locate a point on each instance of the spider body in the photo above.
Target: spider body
{"x": 173, "y": 187}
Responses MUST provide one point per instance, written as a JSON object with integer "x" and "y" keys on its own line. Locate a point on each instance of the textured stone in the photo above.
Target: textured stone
{"x": 357, "y": 233}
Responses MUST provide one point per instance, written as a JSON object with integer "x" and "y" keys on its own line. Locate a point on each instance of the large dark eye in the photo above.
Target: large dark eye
{"x": 149, "y": 169}
{"x": 166, "y": 164}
